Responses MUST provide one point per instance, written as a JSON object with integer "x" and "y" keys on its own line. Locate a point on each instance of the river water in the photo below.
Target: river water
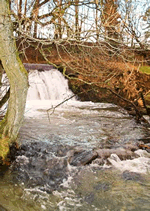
{"x": 112, "y": 185}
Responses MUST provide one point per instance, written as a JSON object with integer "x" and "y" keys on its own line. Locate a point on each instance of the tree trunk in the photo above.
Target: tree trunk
{"x": 35, "y": 15}
{"x": 17, "y": 75}
{"x": 77, "y": 34}
{"x": 96, "y": 21}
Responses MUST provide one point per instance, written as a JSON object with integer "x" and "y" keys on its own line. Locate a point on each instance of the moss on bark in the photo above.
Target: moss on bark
{"x": 17, "y": 75}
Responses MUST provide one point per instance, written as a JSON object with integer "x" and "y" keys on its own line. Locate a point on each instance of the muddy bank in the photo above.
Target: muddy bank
{"x": 123, "y": 89}
{"x": 128, "y": 89}
{"x": 93, "y": 72}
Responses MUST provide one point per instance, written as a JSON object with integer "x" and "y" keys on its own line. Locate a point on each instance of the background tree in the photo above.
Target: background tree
{"x": 110, "y": 19}
{"x": 146, "y": 18}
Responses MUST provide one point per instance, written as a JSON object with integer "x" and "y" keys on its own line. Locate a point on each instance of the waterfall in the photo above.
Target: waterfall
{"x": 48, "y": 85}
{"x": 45, "y": 84}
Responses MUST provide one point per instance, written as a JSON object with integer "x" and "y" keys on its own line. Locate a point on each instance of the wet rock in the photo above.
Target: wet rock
{"x": 131, "y": 147}
{"x": 120, "y": 152}
{"x": 145, "y": 140}
{"x": 148, "y": 150}
{"x": 39, "y": 67}
{"x": 89, "y": 198}
{"x": 98, "y": 161}
{"x": 37, "y": 165}
{"x": 82, "y": 157}
{"x": 63, "y": 151}
{"x": 127, "y": 175}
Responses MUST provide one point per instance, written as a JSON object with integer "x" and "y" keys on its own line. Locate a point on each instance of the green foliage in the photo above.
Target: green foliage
{"x": 145, "y": 69}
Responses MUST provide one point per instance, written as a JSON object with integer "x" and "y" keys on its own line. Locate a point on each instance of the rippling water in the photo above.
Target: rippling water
{"x": 91, "y": 187}
{"x": 116, "y": 185}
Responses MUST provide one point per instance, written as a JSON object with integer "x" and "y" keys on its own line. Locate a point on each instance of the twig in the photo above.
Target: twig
{"x": 53, "y": 108}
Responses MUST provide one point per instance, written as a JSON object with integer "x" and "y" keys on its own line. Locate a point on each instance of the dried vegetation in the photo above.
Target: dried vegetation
{"x": 94, "y": 71}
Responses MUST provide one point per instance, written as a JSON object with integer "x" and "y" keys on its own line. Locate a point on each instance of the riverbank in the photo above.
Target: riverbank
{"x": 95, "y": 74}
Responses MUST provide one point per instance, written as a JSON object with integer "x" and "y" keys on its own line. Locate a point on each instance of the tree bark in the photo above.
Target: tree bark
{"x": 17, "y": 75}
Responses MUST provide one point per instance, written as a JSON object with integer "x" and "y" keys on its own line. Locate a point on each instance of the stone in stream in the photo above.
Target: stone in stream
{"x": 122, "y": 153}
{"x": 37, "y": 165}
{"x": 127, "y": 175}
{"x": 144, "y": 146}
{"x": 82, "y": 157}
{"x": 45, "y": 165}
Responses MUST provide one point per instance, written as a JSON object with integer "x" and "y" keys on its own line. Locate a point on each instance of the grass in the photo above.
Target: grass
{"x": 145, "y": 69}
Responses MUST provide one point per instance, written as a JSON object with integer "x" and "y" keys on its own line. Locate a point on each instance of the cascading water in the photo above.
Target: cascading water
{"x": 63, "y": 162}
{"x": 48, "y": 85}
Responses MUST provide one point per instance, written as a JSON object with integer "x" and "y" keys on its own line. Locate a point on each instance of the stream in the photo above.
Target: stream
{"x": 80, "y": 156}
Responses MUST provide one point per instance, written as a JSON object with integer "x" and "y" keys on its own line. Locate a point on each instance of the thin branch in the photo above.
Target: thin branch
{"x": 53, "y": 108}
{"x": 138, "y": 113}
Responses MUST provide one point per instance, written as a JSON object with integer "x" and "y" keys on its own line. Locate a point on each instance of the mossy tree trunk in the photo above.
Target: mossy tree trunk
{"x": 17, "y": 75}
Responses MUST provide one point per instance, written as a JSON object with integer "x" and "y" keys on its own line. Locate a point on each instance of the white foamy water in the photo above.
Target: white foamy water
{"x": 138, "y": 165}
{"x": 49, "y": 89}
{"x": 48, "y": 85}
{"x": 87, "y": 125}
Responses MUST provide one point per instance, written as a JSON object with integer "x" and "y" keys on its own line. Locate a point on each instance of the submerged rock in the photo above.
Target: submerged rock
{"x": 90, "y": 198}
{"x": 120, "y": 152}
{"x": 82, "y": 157}
{"x": 47, "y": 166}
{"x": 102, "y": 186}
{"x": 37, "y": 165}
{"x": 127, "y": 175}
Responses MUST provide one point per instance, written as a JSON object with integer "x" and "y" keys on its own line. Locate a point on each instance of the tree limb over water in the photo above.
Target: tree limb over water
{"x": 53, "y": 108}
{"x": 139, "y": 116}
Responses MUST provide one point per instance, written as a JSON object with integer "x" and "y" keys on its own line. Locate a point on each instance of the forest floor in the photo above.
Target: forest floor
{"x": 96, "y": 74}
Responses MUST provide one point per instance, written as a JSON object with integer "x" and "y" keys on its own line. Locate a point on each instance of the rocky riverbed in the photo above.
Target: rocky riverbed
{"x": 47, "y": 166}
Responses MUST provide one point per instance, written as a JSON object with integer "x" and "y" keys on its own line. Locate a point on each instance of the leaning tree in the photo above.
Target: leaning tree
{"x": 17, "y": 76}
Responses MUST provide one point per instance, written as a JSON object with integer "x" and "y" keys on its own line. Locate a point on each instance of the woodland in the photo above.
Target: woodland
{"x": 101, "y": 46}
